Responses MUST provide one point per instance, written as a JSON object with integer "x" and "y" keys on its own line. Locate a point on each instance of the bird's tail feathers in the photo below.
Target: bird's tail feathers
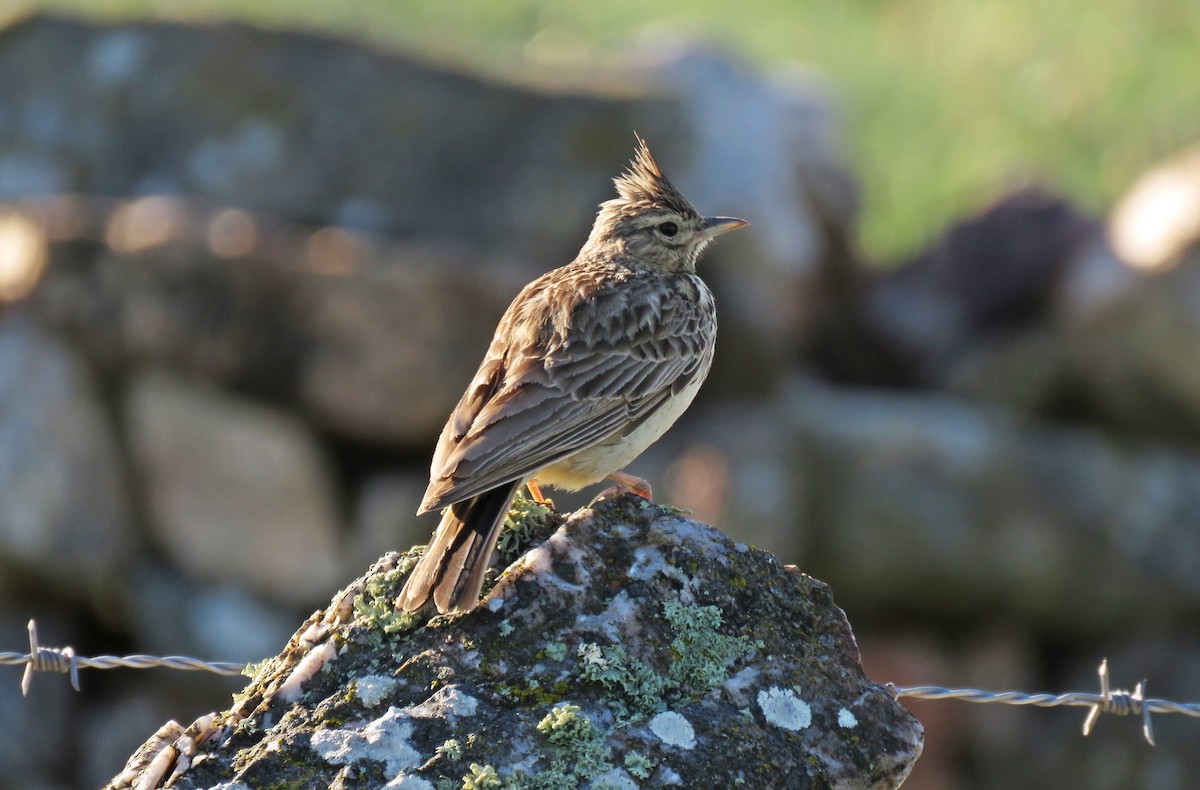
{"x": 452, "y": 569}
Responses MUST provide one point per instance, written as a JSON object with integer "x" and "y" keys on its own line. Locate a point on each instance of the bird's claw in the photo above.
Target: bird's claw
{"x": 625, "y": 484}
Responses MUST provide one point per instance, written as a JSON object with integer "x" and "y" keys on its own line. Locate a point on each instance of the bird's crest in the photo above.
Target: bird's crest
{"x": 644, "y": 186}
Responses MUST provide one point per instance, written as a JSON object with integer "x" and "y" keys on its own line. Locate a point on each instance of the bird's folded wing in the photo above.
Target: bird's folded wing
{"x": 547, "y": 408}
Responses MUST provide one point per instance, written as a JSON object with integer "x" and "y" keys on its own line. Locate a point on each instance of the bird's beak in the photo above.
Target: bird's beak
{"x": 715, "y": 226}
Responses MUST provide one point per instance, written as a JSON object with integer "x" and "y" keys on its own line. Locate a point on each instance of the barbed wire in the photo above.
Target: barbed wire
{"x": 64, "y": 660}
{"x": 1116, "y": 702}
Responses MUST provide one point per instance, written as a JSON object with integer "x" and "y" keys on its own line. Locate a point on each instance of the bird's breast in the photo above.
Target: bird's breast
{"x": 594, "y": 463}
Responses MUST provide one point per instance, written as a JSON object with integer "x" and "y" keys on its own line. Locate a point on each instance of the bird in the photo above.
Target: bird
{"x": 590, "y": 364}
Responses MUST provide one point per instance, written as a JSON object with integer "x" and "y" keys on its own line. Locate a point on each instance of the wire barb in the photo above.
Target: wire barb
{"x": 64, "y": 660}
{"x": 1120, "y": 703}
{"x": 1116, "y": 702}
{"x": 48, "y": 659}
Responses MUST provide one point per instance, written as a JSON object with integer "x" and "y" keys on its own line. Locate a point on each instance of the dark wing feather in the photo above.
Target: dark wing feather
{"x": 630, "y": 348}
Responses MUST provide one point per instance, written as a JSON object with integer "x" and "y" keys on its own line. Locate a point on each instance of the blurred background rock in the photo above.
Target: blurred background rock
{"x": 246, "y": 270}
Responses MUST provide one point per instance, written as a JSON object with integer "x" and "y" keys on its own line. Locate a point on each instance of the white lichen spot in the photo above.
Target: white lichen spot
{"x": 410, "y": 782}
{"x": 614, "y": 620}
{"x": 783, "y": 708}
{"x": 291, "y": 689}
{"x": 669, "y": 776}
{"x": 386, "y": 739}
{"x": 539, "y": 560}
{"x": 446, "y": 702}
{"x": 231, "y": 786}
{"x": 649, "y": 562}
{"x": 540, "y": 563}
{"x": 495, "y": 603}
{"x": 615, "y": 778}
{"x": 591, "y": 655}
{"x": 372, "y": 689}
{"x": 673, "y": 729}
{"x": 846, "y": 719}
{"x": 738, "y": 685}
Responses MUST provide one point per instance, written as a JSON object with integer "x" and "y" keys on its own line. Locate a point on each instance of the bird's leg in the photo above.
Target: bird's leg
{"x": 535, "y": 491}
{"x": 626, "y": 484}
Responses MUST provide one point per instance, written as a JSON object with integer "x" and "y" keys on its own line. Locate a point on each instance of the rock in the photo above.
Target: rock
{"x": 392, "y": 346}
{"x": 1128, "y": 353}
{"x": 1027, "y": 372}
{"x": 932, "y": 503}
{"x": 64, "y": 515}
{"x": 323, "y": 132}
{"x": 631, "y": 647}
{"x": 989, "y": 277}
{"x": 236, "y": 490}
{"x": 374, "y": 341}
{"x": 137, "y": 284}
{"x": 311, "y": 128}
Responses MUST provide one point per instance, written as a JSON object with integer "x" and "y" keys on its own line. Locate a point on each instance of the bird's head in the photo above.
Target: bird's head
{"x": 650, "y": 223}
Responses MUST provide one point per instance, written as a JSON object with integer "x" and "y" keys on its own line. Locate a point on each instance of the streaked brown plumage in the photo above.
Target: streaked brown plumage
{"x": 590, "y": 364}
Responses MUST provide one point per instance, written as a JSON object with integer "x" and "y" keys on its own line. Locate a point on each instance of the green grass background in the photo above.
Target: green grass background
{"x": 946, "y": 102}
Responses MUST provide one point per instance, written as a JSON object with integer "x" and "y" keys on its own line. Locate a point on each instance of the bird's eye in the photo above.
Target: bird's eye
{"x": 668, "y": 229}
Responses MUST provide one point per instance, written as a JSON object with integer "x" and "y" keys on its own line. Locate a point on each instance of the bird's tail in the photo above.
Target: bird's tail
{"x": 452, "y": 568}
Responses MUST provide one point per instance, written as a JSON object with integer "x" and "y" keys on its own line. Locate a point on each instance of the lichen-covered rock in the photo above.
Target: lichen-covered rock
{"x": 631, "y": 647}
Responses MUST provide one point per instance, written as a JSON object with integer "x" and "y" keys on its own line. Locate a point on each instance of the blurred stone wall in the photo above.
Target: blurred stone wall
{"x": 245, "y": 275}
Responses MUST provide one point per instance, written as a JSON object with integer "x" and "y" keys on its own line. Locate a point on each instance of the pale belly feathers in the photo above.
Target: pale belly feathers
{"x": 597, "y": 462}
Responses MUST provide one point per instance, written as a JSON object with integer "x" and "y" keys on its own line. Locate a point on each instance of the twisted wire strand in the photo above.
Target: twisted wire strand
{"x": 1116, "y": 702}
{"x": 1120, "y": 705}
{"x": 65, "y": 661}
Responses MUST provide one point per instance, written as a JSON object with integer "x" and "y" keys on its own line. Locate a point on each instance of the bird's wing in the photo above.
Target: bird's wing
{"x": 630, "y": 348}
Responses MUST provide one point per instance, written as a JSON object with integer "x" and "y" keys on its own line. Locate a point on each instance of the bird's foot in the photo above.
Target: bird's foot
{"x": 535, "y": 491}
{"x": 625, "y": 484}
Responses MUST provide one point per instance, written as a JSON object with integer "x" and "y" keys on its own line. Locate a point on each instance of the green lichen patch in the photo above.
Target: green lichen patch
{"x": 375, "y": 606}
{"x": 701, "y": 653}
{"x": 527, "y": 523}
{"x": 575, "y": 748}
{"x": 482, "y": 777}
{"x": 633, "y": 690}
{"x": 700, "y": 656}
{"x": 555, "y": 651}
{"x": 639, "y": 765}
{"x": 451, "y": 748}
{"x": 534, "y": 693}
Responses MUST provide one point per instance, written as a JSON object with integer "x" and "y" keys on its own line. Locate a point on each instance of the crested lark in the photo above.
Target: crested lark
{"x": 590, "y": 364}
